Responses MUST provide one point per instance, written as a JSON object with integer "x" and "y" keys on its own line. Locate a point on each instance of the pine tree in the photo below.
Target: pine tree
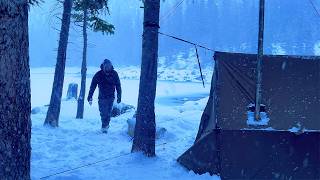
{"x": 145, "y": 129}
{"x": 52, "y": 118}
{"x": 15, "y": 106}
{"x": 87, "y": 12}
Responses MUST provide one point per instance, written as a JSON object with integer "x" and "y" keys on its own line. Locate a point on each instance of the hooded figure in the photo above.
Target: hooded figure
{"x": 108, "y": 81}
{"x": 106, "y": 66}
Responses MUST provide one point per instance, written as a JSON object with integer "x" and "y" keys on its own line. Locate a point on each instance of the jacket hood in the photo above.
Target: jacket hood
{"x": 105, "y": 63}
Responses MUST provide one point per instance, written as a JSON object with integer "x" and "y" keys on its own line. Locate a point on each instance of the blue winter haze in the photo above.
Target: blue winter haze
{"x": 291, "y": 27}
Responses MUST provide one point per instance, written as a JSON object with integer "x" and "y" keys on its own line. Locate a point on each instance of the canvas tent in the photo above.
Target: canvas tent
{"x": 287, "y": 147}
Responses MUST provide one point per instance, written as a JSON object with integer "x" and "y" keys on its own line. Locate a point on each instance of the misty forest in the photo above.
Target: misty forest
{"x": 159, "y": 89}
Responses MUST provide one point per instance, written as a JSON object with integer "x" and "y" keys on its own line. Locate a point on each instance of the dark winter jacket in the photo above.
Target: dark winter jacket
{"x": 107, "y": 83}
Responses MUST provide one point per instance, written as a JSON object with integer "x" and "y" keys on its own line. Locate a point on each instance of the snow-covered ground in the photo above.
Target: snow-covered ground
{"x": 79, "y": 142}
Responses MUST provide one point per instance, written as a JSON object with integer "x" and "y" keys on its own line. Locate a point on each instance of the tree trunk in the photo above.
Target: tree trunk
{"x": 259, "y": 56}
{"x": 52, "y": 118}
{"x": 15, "y": 107}
{"x": 81, "y": 98}
{"x": 145, "y": 129}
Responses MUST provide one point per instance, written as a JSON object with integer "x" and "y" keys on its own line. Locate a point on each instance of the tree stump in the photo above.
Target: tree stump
{"x": 72, "y": 91}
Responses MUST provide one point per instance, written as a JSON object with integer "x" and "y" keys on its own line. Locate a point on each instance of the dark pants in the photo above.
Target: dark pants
{"x": 105, "y": 108}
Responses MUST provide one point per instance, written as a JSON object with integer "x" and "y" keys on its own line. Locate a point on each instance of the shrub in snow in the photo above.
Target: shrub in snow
{"x": 121, "y": 108}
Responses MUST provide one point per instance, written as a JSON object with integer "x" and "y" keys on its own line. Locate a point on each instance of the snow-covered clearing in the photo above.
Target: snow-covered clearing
{"x": 79, "y": 142}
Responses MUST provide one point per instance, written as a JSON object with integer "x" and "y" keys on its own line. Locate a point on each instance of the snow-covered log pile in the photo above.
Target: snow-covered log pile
{"x": 121, "y": 108}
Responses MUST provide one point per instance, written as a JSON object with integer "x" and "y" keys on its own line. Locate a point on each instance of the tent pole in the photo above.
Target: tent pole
{"x": 259, "y": 62}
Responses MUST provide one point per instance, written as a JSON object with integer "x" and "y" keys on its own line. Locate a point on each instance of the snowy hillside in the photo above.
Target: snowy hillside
{"x": 184, "y": 68}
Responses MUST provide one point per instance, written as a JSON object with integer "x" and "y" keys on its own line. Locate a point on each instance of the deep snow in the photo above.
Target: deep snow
{"x": 79, "y": 142}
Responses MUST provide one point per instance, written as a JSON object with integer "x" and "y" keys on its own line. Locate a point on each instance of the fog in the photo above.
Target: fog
{"x": 291, "y": 27}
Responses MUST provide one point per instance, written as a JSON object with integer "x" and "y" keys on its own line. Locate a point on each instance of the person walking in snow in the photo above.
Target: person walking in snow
{"x": 107, "y": 80}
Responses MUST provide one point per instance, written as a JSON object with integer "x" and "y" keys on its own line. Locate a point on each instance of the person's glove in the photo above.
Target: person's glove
{"x": 90, "y": 100}
{"x": 119, "y": 100}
